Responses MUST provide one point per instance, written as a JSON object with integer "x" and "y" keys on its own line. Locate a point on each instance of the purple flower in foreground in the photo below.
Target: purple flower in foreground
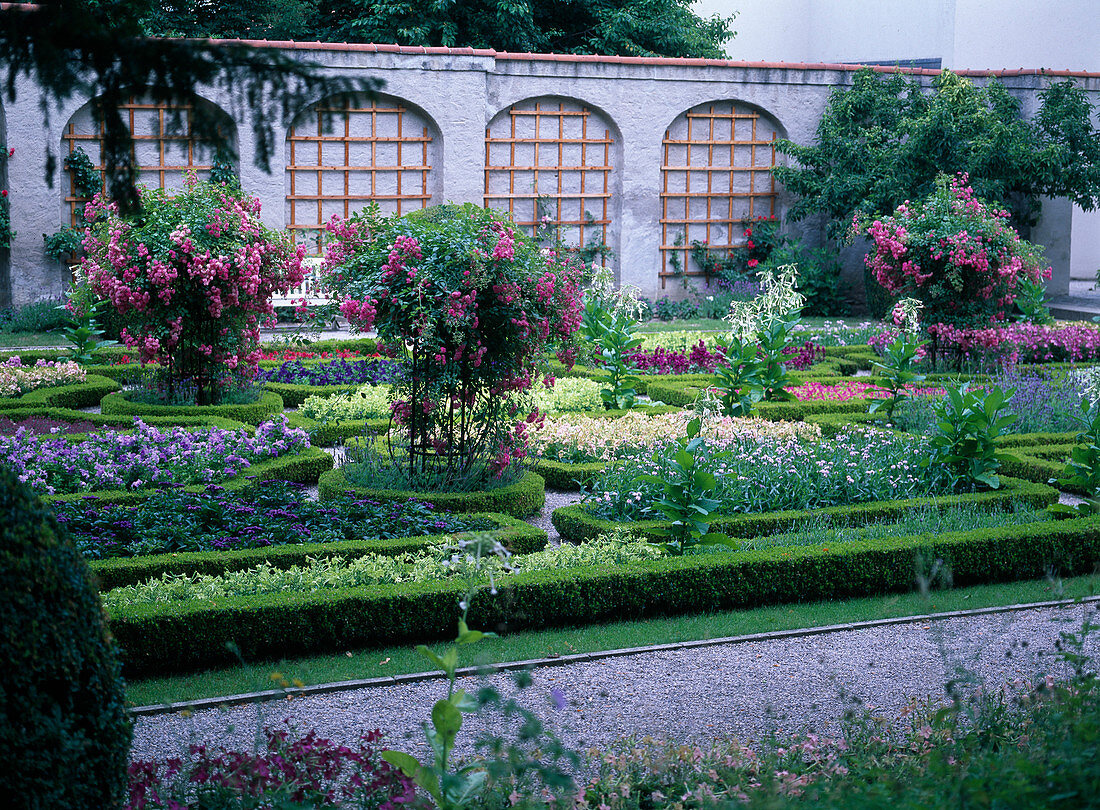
{"x": 557, "y": 697}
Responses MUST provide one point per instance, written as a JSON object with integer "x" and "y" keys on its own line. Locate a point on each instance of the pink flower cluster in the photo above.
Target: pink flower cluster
{"x": 702, "y": 360}
{"x": 842, "y": 392}
{"x": 1020, "y": 342}
{"x": 218, "y": 265}
{"x": 955, "y": 253}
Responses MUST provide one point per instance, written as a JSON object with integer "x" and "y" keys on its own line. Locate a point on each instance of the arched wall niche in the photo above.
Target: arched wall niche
{"x": 346, "y": 152}
{"x": 716, "y": 179}
{"x": 552, "y": 163}
{"x": 166, "y": 147}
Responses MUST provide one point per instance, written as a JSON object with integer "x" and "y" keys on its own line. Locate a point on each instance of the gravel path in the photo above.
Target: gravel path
{"x": 555, "y": 498}
{"x": 744, "y": 689}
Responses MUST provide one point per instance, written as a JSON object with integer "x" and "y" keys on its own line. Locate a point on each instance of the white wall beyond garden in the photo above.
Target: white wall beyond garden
{"x": 644, "y": 155}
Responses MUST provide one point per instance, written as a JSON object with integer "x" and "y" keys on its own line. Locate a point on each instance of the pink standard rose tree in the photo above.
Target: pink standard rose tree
{"x": 956, "y": 254}
{"x": 192, "y": 276}
{"x": 472, "y": 305}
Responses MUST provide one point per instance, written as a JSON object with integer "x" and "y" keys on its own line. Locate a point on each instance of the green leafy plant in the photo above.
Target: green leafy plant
{"x": 86, "y": 179}
{"x": 457, "y": 788}
{"x": 759, "y": 332}
{"x": 83, "y": 332}
{"x": 608, "y": 323}
{"x": 884, "y": 139}
{"x": 898, "y": 366}
{"x": 968, "y": 423}
{"x": 64, "y": 244}
{"x": 688, "y": 485}
{"x": 1083, "y": 465}
{"x": 1031, "y": 302}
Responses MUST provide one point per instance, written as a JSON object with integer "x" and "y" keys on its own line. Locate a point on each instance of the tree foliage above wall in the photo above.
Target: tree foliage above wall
{"x": 884, "y": 140}
{"x": 613, "y": 27}
{"x": 100, "y": 49}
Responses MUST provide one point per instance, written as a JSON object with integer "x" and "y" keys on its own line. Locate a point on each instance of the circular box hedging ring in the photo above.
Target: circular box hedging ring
{"x": 252, "y": 413}
{"x": 519, "y": 499}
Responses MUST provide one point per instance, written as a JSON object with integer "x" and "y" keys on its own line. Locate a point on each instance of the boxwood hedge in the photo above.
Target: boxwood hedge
{"x": 519, "y": 537}
{"x": 191, "y": 635}
{"x": 520, "y": 498}
{"x": 80, "y": 395}
{"x": 252, "y": 413}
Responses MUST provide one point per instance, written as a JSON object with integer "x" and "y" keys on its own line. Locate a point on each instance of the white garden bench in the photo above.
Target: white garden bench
{"x": 310, "y": 289}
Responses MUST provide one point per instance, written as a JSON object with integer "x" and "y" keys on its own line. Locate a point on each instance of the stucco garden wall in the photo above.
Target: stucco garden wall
{"x": 615, "y": 159}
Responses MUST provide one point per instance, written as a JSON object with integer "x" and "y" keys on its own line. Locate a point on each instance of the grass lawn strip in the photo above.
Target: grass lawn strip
{"x": 186, "y": 636}
{"x": 522, "y": 646}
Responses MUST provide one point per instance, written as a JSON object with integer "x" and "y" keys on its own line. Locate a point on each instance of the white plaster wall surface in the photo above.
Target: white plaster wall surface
{"x": 461, "y": 92}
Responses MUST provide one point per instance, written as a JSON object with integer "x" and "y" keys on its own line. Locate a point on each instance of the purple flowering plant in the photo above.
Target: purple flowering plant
{"x": 269, "y": 513}
{"x": 373, "y": 371}
{"x": 146, "y": 457}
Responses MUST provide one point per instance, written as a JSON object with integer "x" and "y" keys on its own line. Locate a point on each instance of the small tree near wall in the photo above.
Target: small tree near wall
{"x": 192, "y": 276}
{"x": 472, "y": 305}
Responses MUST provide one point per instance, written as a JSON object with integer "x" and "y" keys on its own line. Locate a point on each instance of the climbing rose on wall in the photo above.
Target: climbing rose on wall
{"x": 192, "y": 276}
{"x": 955, "y": 253}
{"x": 472, "y": 305}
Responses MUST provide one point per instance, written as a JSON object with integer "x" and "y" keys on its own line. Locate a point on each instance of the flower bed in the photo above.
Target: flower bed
{"x": 430, "y": 563}
{"x": 1017, "y": 343}
{"x": 145, "y": 458}
{"x": 119, "y": 572}
{"x": 588, "y": 439}
{"x": 758, "y": 472}
{"x": 17, "y": 379}
{"x": 273, "y": 513}
{"x": 842, "y": 392}
{"x": 371, "y": 371}
{"x": 701, "y": 359}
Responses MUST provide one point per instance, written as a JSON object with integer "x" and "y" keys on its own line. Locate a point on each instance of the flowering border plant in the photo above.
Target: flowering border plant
{"x": 954, "y": 252}
{"x": 192, "y": 275}
{"x": 471, "y": 305}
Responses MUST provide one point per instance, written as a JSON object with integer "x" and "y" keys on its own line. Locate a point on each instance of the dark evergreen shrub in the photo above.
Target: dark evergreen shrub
{"x": 64, "y": 729}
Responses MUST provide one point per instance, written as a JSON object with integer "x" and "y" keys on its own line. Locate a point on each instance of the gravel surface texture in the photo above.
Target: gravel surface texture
{"x": 554, "y": 499}
{"x": 745, "y": 689}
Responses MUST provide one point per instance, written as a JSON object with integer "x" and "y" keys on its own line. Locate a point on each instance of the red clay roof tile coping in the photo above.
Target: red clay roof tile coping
{"x": 637, "y": 60}
{"x": 620, "y": 60}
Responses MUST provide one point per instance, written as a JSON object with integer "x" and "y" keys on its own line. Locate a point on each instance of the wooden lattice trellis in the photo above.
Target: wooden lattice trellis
{"x": 163, "y": 159}
{"x": 548, "y": 164}
{"x": 716, "y": 178}
{"x": 376, "y": 151}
